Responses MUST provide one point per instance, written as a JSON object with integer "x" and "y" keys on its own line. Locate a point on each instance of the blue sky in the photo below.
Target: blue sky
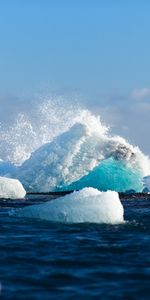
{"x": 98, "y": 49}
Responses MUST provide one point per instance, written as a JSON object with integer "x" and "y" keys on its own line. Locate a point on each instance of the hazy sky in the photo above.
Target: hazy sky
{"x": 99, "y": 49}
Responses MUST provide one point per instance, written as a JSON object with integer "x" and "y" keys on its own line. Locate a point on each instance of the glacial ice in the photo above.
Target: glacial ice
{"x": 11, "y": 188}
{"x": 85, "y": 150}
{"x": 61, "y": 145}
{"x": 85, "y": 206}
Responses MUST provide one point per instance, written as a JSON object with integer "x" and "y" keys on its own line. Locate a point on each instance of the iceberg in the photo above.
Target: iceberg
{"x": 85, "y": 156}
{"x": 11, "y": 188}
{"x": 62, "y": 146}
{"x": 85, "y": 206}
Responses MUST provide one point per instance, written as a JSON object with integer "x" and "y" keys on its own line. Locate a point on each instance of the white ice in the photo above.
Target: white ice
{"x": 11, "y": 188}
{"x": 73, "y": 155}
{"x": 86, "y": 205}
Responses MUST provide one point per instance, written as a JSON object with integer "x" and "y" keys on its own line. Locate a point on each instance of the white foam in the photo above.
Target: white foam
{"x": 87, "y": 205}
{"x": 11, "y": 188}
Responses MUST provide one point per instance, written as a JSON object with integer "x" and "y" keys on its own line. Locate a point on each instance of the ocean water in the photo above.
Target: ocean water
{"x": 45, "y": 260}
{"x": 59, "y": 146}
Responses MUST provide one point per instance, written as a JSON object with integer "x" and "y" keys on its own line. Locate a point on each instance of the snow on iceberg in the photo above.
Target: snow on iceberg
{"x": 11, "y": 188}
{"x": 87, "y": 205}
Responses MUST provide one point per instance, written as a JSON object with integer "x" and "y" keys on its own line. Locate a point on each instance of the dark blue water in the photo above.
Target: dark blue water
{"x": 41, "y": 260}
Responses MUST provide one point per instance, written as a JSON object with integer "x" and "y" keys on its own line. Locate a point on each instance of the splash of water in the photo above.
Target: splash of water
{"x": 45, "y": 121}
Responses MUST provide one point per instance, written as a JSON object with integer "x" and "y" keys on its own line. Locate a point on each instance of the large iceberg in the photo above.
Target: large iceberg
{"x": 60, "y": 146}
{"x": 84, "y": 156}
{"x": 11, "y": 188}
{"x": 87, "y": 205}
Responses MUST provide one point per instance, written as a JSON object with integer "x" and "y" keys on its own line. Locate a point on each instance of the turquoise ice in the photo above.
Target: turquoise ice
{"x": 112, "y": 175}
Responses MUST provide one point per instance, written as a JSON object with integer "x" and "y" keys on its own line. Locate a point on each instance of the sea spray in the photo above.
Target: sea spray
{"x": 47, "y": 119}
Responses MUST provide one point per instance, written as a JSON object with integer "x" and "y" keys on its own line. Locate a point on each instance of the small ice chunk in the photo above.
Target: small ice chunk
{"x": 86, "y": 205}
{"x": 11, "y": 188}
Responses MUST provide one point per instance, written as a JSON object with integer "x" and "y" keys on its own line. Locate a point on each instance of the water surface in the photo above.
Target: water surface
{"x": 43, "y": 260}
